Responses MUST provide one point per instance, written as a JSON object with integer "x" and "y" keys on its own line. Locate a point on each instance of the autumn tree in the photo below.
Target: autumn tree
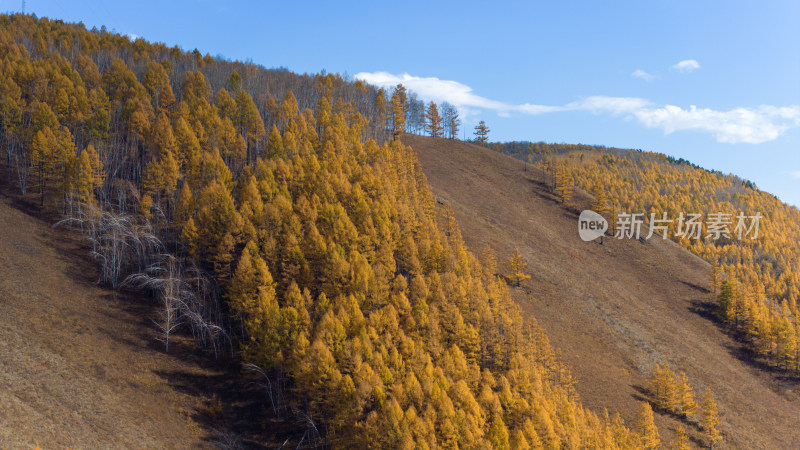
{"x": 685, "y": 395}
{"x": 516, "y": 266}
{"x": 482, "y": 132}
{"x": 397, "y": 110}
{"x": 563, "y": 185}
{"x": 709, "y": 419}
{"x": 647, "y": 427}
{"x": 681, "y": 439}
{"x": 43, "y": 157}
{"x": 600, "y": 202}
{"x": 433, "y": 121}
{"x": 664, "y": 388}
{"x": 379, "y": 116}
{"x": 89, "y": 174}
{"x": 250, "y": 124}
{"x": 156, "y": 81}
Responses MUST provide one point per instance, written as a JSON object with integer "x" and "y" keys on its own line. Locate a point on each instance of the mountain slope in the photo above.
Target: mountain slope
{"x": 78, "y": 363}
{"x": 614, "y": 310}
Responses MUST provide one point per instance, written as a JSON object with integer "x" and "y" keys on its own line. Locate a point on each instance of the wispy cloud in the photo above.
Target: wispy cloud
{"x": 749, "y": 125}
{"x": 614, "y": 105}
{"x": 687, "y": 66}
{"x": 795, "y": 174}
{"x": 435, "y": 89}
{"x": 740, "y": 125}
{"x": 639, "y": 73}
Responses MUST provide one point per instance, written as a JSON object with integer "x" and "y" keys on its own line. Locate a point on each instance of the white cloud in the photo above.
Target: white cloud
{"x": 133, "y": 37}
{"x": 795, "y": 174}
{"x": 748, "y": 125}
{"x": 740, "y": 125}
{"x": 687, "y": 66}
{"x": 432, "y": 88}
{"x": 639, "y": 73}
{"x": 613, "y": 105}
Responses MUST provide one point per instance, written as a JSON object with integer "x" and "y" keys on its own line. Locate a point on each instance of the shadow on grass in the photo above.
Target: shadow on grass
{"x": 696, "y": 287}
{"x": 643, "y": 394}
{"x": 740, "y": 348}
{"x": 234, "y": 409}
{"x": 233, "y": 404}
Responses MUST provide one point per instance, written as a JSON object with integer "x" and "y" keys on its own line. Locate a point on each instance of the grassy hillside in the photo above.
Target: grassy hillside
{"x": 611, "y": 311}
{"x": 78, "y": 365}
{"x": 758, "y": 279}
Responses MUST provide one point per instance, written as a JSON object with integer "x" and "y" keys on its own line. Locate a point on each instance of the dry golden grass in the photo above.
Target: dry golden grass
{"x": 78, "y": 364}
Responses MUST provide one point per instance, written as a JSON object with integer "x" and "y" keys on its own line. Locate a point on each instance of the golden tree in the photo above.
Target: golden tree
{"x": 433, "y": 121}
{"x": 685, "y": 395}
{"x": 600, "y": 202}
{"x": 397, "y": 109}
{"x": 563, "y": 185}
{"x": 89, "y": 174}
{"x": 664, "y": 389}
{"x": 646, "y": 426}
{"x": 681, "y": 439}
{"x": 516, "y": 266}
{"x": 709, "y": 419}
{"x": 42, "y": 156}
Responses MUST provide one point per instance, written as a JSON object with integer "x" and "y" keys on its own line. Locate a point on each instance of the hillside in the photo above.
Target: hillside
{"x": 611, "y": 311}
{"x": 79, "y": 365}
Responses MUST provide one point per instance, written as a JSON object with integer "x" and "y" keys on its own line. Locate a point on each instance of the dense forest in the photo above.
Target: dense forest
{"x": 274, "y": 217}
{"x": 755, "y": 282}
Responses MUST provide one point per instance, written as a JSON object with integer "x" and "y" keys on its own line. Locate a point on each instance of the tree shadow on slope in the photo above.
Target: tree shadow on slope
{"x": 233, "y": 412}
{"x": 235, "y": 408}
{"x": 696, "y": 287}
{"x": 643, "y": 394}
{"x": 740, "y": 348}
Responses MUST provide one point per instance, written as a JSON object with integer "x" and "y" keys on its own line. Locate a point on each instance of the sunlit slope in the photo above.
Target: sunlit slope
{"x": 615, "y": 310}
{"x": 77, "y": 368}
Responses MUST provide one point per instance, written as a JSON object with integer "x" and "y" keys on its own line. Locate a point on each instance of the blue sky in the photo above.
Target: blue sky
{"x": 717, "y": 83}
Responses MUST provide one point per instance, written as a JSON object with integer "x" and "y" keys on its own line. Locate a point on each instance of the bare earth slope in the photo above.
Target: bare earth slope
{"x": 612, "y": 311}
{"x": 78, "y": 364}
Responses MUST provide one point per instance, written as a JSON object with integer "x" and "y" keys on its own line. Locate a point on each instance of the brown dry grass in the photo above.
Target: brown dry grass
{"x": 80, "y": 366}
{"x": 611, "y": 311}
